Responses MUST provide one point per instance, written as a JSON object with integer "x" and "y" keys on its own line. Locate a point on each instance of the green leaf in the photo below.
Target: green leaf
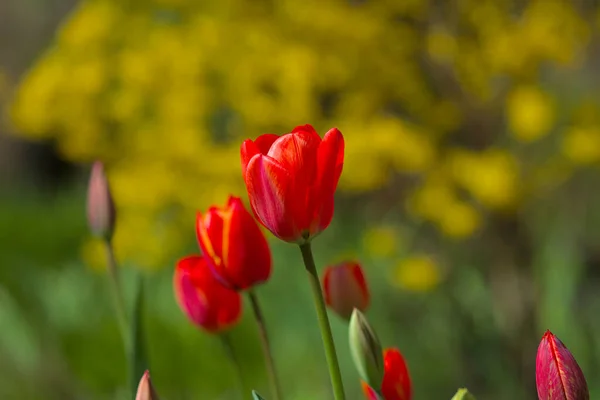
{"x": 256, "y": 396}
{"x": 138, "y": 362}
{"x": 463, "y": 394}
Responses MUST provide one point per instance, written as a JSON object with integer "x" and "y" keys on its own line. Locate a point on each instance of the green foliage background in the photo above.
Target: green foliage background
{"x": 469, "y": 190}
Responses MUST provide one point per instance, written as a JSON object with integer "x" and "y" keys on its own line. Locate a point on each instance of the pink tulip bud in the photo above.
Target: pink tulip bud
{"x": 145, "y": 389}
{"x": 557, "y": 375}
{"x": 100, "y": 206}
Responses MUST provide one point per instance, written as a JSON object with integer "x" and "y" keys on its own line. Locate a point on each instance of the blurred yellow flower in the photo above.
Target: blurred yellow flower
{"x": 381, "y": 241}
{"x": 530, "y": 113}
{"x": 459, "y": 220}
{"x": 431, "y": 198}
{"x": 491, "y": 176}
{"x": 441, "y": 46}
{"x": 90, "y": 23}
{"x": 418, "y": 273}
{"x": 155, "y": 96}
{"x": 581, "y": 145}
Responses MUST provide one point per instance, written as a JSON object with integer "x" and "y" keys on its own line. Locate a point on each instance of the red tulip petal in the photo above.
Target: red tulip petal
{"x": 209, "y": 232}
{"x": 230, "y": 306}
{"x": 205, "y": 302}
{"x": 246, "y": 251}
{"x": 396, "y": 380}
{"x": 330, "y": 164}
{"x": 558, "y": 376}
{"x": 250, "y": 148}
{"x": 268, "y": 186}
{"x": 359, "y": 278}
{"x": 264, "y": 142}
{"x": 307, "y": 129}
{"x": 190, "y": 300}
{"x": 297, "y": 154}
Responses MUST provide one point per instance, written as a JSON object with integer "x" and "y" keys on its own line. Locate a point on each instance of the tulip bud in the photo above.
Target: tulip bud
{"x": 463, "y": 394}
{"x": 557, "y": 374}
{"x": 345, "y": 288}
{"x": 145, "y": 389}
{"x": 256, "y": 396}
{"x": 100, "y": 206}
{"x": 366, "y": 350}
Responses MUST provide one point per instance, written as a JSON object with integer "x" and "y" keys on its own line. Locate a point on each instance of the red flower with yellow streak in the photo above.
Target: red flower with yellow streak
{"x": 234, "y": 246}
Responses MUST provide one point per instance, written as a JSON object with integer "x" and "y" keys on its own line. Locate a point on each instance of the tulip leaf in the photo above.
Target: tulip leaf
{"x": 256, "y": 396}
{"x": 137, "y": 354}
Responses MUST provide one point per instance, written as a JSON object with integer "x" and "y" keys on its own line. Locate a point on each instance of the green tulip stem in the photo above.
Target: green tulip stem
{"x": 326, "y": 335}
{"x": 266, "y": 346}
{"x": 115, "y": 283}
{"x": 129, "y": 341}
{"x": 230, "y": 351}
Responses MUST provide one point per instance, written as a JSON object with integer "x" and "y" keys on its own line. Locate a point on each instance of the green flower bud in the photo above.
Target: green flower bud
{"x": 366, "y": 350}
{"x": 463, "y": 394}
{"x": 256, "y": 396}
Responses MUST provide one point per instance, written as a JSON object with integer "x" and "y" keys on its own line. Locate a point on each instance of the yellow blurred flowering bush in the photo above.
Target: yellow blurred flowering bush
{"x": 163, "y": 92}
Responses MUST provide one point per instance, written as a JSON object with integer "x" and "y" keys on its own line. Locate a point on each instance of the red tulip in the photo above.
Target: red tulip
{"x": 234, "y": 246}
{"x": 206, "y": 302}
{"x": 100, "y": 205}
{"x": 557, "y": 375}
{"x": 396, "y": 380}
{"x": 345, "y": 288}
{"x": 291, "y": 180}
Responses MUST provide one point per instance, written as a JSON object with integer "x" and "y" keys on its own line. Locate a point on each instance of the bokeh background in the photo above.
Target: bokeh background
{"x": 470, "y": 189}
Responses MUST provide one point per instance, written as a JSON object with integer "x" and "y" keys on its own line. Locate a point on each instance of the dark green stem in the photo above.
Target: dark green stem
{"x": 230, "y": 351}
{"x": 326, "y": 335}
{"x": 115, "y": 284}
{"x": 266, "y": 346}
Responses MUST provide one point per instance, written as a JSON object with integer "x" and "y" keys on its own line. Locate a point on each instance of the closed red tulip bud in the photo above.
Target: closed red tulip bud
{"x": 206, "y": 302}
{"x": 396, "y": 380}
{"x": 234, "y": 246}
{"x": 291, "y": 180}
{"x": 557, "y": 374}
{"x": 345, "y": 288}
{"x": 145, "y": 390}
{"x": 100, "y": 205}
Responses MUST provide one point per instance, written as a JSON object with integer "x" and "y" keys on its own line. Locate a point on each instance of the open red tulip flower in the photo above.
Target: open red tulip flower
{"x": 234, "y": 245}
{"x": 396, "y": 380}
{"x": 207, "y": 303}
{"x": 557, "y": 374}
{"x": 291, "y": 180}
{"x": 345, "y": 288}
